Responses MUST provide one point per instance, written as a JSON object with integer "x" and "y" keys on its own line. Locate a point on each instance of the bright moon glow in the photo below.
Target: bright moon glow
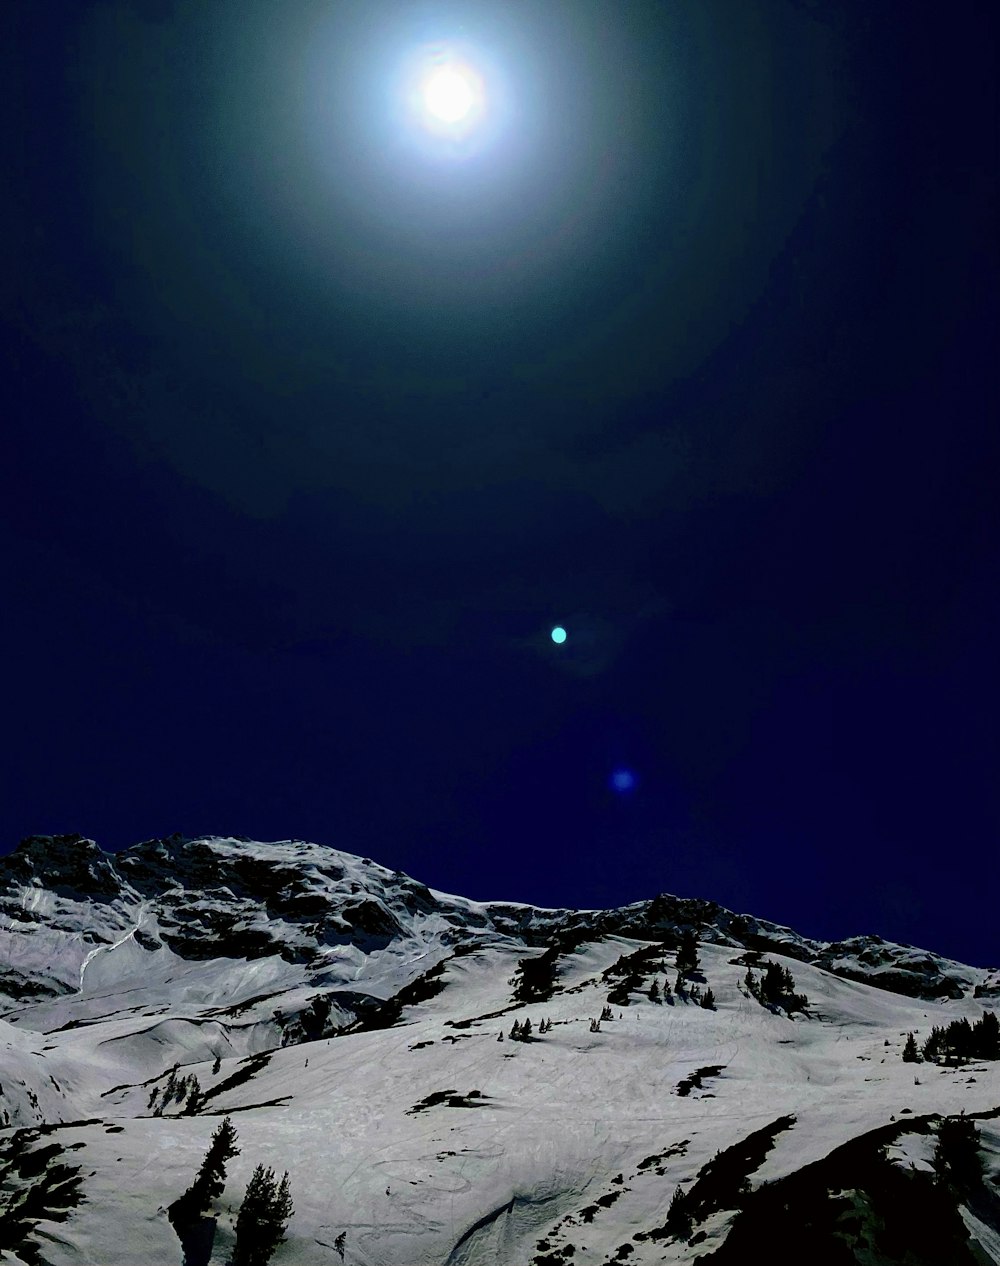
{"x": 448, "y": 94}
{"x": 623, "y": 780}
{"x": 558, "y": 635}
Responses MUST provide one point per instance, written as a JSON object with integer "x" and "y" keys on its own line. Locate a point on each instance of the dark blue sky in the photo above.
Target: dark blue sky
{"x": 312, "y": 432}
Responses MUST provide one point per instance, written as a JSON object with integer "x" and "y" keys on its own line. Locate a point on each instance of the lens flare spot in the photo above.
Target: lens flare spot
{"x": 558, "y": 635}
{"x": 623, "y": 780}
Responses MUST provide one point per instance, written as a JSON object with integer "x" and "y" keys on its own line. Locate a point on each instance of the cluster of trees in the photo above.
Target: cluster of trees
{"x": 264, "y": 1213}
{"x": 775, "y": 987}
{"x": 263, "y": 1216}
{"x": 959, "y": 1040}
{"x": 631, "y": 970}
{"x": 535, "y": 978}
{"x": 181, "y": 1090}
{"x": 619, "y": 994}
{"x": 523, "y": 1032}
{"x": 656, "y": 994}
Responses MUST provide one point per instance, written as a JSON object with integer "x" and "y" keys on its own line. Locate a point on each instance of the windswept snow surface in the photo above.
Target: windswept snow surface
{"x": 410, "y": 1129}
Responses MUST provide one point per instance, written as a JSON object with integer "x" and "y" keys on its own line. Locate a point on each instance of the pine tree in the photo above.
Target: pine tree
{"x": 679, "y": 1222}
{"x": 961, "y": 1039}
{"x": 986, "y": 1032}
{"x": 679, "y": 986}
{"x": 526, "y": 1030}
{"x": 515, "y": 1029}
{"x": 217, "y": 1065}
{"x": 910, "y": 1053}
{"x": 210, "y": 1181}
{"x": 933, "y": 1043}
{"x": 687, "y": 953}
{"x": 708, "y": 1002}
{"x": 654, "y": 991}
{"x": 263, "y": 1216}
{"x": 773, "y": 985}
{"x": 956, "y": 1156}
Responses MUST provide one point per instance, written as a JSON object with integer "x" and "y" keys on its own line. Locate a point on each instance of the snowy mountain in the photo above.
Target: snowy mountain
{"x": 355, "y": 1026}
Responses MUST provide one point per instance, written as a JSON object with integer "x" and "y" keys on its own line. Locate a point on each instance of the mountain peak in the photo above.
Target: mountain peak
{"x": 474, "y": 1082}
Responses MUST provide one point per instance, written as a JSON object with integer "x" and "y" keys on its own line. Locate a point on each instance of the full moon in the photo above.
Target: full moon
{"x": 448, "y": 94}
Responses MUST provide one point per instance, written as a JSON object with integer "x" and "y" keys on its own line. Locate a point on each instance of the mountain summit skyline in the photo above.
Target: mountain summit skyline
{"x": 447, "y": 1082}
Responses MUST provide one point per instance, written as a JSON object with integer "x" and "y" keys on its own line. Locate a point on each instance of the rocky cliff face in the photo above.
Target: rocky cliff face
{"x": 234, "y": 898}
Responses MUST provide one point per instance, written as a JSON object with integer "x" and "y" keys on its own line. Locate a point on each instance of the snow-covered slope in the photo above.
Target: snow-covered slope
{"x": 349, "y": 1020}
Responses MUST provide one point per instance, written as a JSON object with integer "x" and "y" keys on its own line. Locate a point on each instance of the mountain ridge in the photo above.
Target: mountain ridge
{"x": 315, "y": 898}
{"x": 461, "y": 1083}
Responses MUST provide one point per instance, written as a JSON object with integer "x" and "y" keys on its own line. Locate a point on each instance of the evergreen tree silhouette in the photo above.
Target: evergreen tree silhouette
{"x": 986, "y": 1036}
{"x": 210, "y": 1181}
{"x": 687, "y": 953}
{"x": 679, "y": 1222}
{"x": 956, "y": 1157}
{"x": 263, "y": 1216}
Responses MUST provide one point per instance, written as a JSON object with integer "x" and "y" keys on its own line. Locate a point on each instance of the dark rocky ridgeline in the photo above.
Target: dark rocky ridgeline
{"x": 26, "y": 989}
{"x": 880, "y": 963}
{"x": 856, "y": 1205}
{"x": 868, "y": 959}
{"x": 203, "y": 897}
{"x": 68, "y": 865}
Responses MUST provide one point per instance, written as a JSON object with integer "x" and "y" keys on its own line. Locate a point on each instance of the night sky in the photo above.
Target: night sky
{"x": 317, "y": 422}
